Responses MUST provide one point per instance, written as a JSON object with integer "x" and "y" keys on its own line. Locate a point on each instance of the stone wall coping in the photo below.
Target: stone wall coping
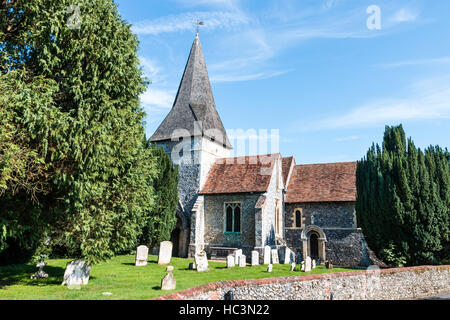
{"x": 212, "y": 286}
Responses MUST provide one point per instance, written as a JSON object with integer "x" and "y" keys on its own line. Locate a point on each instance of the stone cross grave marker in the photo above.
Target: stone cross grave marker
{"x": 267, "y": 254}
{"x": 141, "y": 256}
{"x": 255, "y": 258}
{"x": 275, "y": 256}
{"x": 201, "y": 260}
{"x": 230, "y": 261}
{"x": 165, "y": 252}
{"x": 313, "y": 263}
{"x": 269, "y": 267}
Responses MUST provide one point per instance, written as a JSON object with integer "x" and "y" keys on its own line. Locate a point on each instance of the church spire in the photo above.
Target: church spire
{"x": 194, "y": 102}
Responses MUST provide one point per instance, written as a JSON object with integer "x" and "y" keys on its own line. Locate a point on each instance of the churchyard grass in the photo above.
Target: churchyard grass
{"x": 124, "y": 280}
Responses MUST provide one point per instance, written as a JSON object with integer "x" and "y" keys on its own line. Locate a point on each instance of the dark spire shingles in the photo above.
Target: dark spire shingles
{"x": 194, "y": 102}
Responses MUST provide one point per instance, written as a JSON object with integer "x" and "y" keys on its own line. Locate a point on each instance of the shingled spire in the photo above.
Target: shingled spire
{"x": 194, "y": 103}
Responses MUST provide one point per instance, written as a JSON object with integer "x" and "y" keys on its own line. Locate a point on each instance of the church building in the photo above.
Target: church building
{"x": 247, "y": 203}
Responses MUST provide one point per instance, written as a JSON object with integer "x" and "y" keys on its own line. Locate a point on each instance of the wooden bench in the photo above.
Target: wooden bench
{"x": 223, "y": 250}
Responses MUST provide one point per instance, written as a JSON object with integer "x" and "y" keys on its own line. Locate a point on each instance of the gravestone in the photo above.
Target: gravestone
{"x": 308, "y": 264}
{"x": 192, "y": 266}
{"x": 169, "y": 282}
{"x": 267, "y": 254}
{"x": 313, "y": 263}
{"x": 141, "y": 256}
{"x": 242, "y": 261}
{"x": 329, "y": 264}
{"x": 275, "y": 256}
{"x": 201, "y": 261}
{"x": 40, "y": 274}
{"x": 255, "y": 258}
{"x": 293, "y": 266}
{"x": 237, "y": 253}
{"x": 287, "y": 258}
{"x": 165, "y": 252}
{"x": 302, "y": 268}
{"x": 269, "y": 267}
{"x": 230, "y": 261}
{"x": 76, "y": 274}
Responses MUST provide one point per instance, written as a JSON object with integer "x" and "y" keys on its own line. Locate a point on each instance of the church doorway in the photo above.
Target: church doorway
{"x": 175, "y": 238}
{"x": 314, "y": 245}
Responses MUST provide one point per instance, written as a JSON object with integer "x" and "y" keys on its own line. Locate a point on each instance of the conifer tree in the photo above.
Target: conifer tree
{"x": 163, "y": 217}
{"x": 403, "y": 201}
{"x": 80, "y": 114}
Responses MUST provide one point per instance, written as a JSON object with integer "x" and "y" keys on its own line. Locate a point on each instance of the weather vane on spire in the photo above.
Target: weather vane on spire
{"x": 199, "y": 23}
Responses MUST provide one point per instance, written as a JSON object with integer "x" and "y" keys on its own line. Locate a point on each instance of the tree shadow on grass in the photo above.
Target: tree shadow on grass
{"x": 21, "y": 273}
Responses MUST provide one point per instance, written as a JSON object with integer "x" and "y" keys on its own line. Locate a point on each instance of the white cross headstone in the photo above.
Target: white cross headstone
{"x": 242, "y": 261}
{"x": 269, "y": 267}
{"x": 267, "y": 255}
{"x": 275, "y": 256}
{"x": 255, "y": 258}
{"x": 230, "y": 261}
{"x": 165, "y": 252}
{"x": 141, "y": 256}
{"x": 313, "y": 263}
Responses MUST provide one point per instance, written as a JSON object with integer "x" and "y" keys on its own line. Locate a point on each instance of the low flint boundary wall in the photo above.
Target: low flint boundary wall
{"x": 384, "y": 284}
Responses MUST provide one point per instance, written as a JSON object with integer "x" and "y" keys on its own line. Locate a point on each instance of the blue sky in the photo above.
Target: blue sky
{"x": 310, "y": 68}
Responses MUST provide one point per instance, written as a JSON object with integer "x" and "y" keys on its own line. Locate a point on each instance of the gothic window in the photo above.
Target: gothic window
{"x": 233, "y": 217}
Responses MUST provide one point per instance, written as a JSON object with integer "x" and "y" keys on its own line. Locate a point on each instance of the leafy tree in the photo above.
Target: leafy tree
{"x": 70, "y": 88}
{"x": 403, "y": 200}
{"x": 163, "y": 218}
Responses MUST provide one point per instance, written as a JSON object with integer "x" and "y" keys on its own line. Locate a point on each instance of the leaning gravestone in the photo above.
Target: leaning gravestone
{"x": 230, "y": 261}
{"x": 275, "y": 256}
{"x": 201, "y": 261}
{"x": 269, "y": 267}
{"x": 76, "y": 274}
{"x": 237, "y": 253}
{"x": 242, "y": 261}
{"x": 267, "y": 254}
{"x": 169, "y": 282}
{"x": 255, "y": 258}
{"x": 141, "y": 256}
{"x": 165, "y": 252}
{"x": 308, "y": 264}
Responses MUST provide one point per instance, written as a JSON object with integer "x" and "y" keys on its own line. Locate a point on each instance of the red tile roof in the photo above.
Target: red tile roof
{"x": 240, "y": 175}
{"x": 330, "y": 182}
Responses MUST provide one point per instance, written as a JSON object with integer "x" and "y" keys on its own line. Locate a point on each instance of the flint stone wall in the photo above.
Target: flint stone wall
{"x": 386, "y": 284}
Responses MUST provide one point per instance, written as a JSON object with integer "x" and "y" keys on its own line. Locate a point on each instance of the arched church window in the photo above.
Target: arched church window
{"x": 233, "y": 217}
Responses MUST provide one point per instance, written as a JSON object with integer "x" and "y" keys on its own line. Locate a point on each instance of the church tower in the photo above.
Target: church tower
{"x": 193, "y": 135}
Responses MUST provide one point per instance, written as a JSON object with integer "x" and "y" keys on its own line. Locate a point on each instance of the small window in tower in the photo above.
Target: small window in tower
{"x": 298, "y": 218}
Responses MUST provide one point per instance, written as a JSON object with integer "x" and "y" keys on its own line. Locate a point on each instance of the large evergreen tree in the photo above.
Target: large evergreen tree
{"x": 70, "y": 85}
{"x": 163, "y": 217}
{"x": 403, "y": 200}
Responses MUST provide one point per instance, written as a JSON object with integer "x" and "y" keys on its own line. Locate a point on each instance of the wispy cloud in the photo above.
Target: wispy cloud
{"x": 185, "y": 21}
{"x": 157, "y": 100}
{"x": 429, "y": 99}
{"x": 405, "y": 15}
{"x": 407, "y": 63}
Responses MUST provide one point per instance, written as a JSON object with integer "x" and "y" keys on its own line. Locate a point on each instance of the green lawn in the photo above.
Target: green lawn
{"x": 125, "y": 281}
